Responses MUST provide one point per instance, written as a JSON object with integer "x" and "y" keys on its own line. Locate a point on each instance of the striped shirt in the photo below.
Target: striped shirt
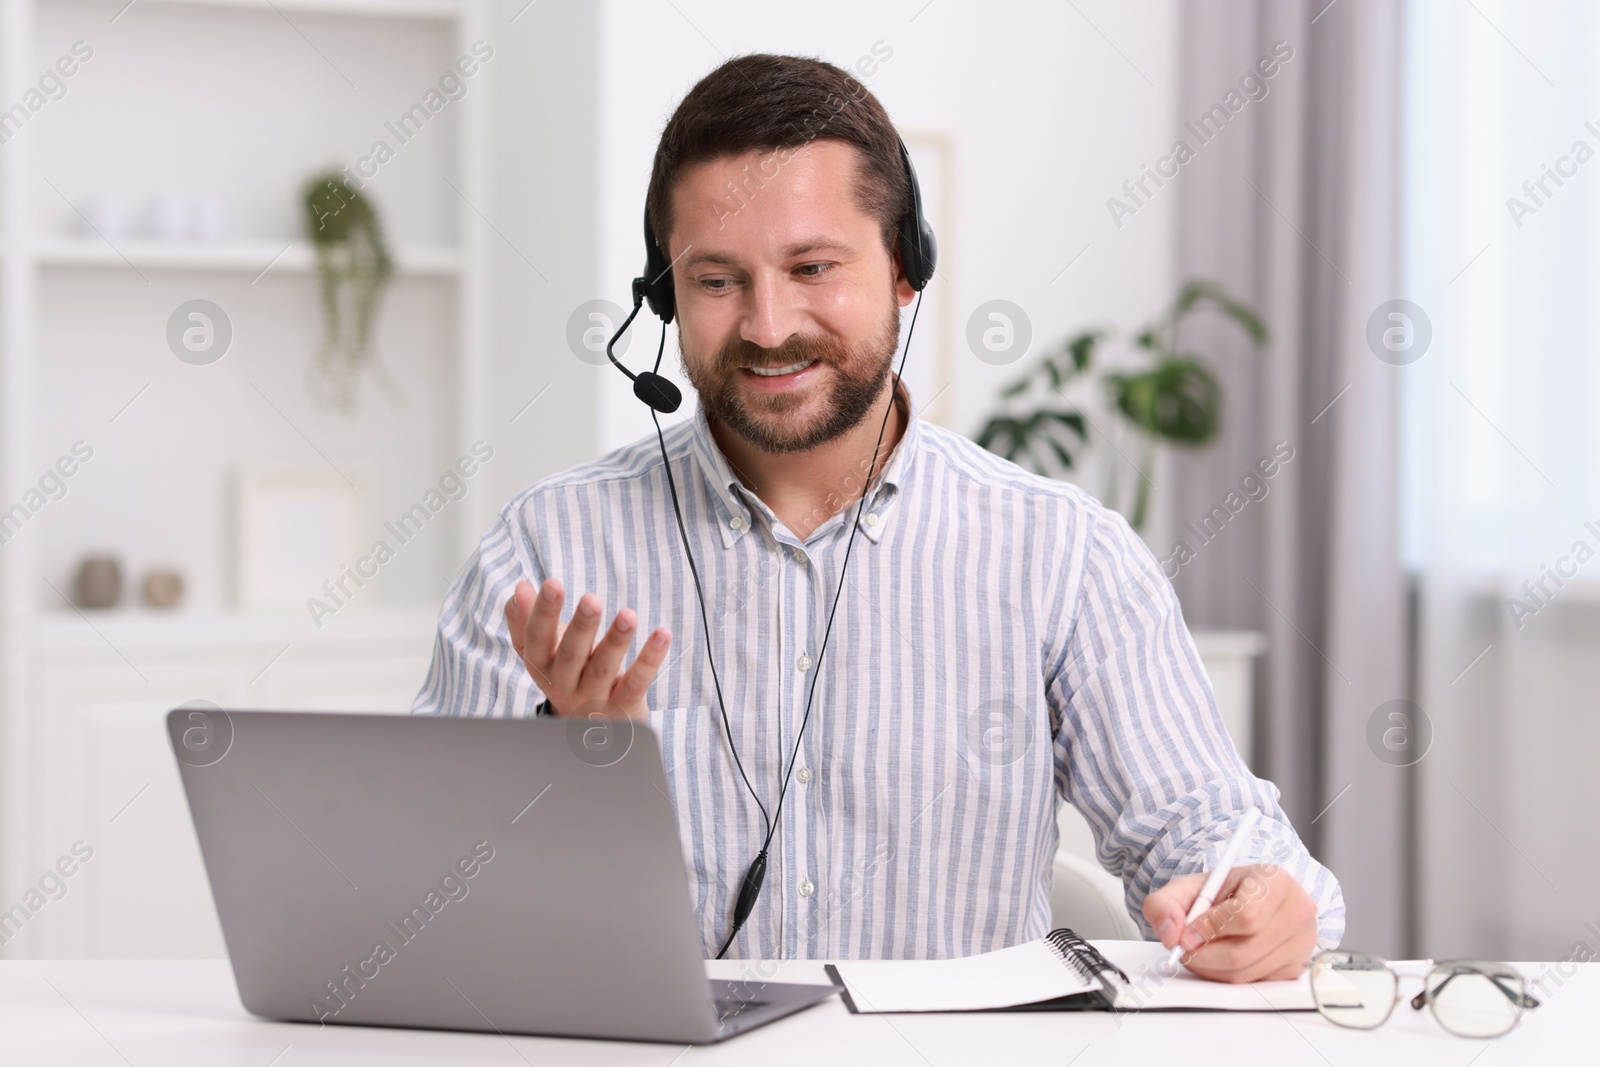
{"x": 1003, "y": 642}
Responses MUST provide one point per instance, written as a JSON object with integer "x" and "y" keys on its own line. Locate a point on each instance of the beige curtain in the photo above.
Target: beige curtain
{"x": 1503, "y": 197}
{"x": 1292, "y": 203}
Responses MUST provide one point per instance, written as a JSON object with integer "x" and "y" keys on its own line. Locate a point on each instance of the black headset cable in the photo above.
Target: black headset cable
{"x": 755, "y": 875}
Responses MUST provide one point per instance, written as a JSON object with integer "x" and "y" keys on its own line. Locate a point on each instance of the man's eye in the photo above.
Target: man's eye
{"x": 814, "y": 270}
{"x": 715, "y": 285}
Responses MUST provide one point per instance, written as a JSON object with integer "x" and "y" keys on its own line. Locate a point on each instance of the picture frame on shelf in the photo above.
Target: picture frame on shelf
{"x": 294, "y": 526}
{"x": 930, "y": 371}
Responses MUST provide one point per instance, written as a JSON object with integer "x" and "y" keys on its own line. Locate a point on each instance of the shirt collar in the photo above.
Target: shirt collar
{"x": 735, "y": 501}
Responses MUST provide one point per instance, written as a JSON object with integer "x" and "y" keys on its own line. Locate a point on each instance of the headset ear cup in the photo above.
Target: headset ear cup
{"x": 659, "y": 291}
{"x": 919, "y": 252}
{"x": 657, "y": 277}
{"x": 910, "y": 260}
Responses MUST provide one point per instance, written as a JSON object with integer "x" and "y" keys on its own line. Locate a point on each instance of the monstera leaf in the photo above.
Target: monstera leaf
{"x": 1020, "y": 438}
{"x": 1179, "y": 400}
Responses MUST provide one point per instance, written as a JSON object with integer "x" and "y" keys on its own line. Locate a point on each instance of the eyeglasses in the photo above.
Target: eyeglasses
{"x": 1468, "y": 997}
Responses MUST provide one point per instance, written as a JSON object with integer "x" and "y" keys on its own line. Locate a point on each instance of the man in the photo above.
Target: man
{"x": 1001, "y": 640}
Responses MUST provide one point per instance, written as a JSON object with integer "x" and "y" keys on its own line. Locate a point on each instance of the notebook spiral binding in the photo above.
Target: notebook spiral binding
{"x": 1082, "y": 956}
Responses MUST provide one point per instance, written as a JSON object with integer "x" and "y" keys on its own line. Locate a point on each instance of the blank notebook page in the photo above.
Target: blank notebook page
{"x": 1020, "y": 974}
{"x": 1034, "y": 972}
{"x": 1151, "y": 987}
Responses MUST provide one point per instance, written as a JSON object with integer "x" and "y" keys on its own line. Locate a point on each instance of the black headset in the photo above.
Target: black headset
{"x": 918, "y": 255}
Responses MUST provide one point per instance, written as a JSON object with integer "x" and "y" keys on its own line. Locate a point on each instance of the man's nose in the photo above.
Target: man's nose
{"x": 773, "y": 313}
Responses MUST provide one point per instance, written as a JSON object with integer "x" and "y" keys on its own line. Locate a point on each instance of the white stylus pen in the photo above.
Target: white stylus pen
{"x": 1219, "y": 874}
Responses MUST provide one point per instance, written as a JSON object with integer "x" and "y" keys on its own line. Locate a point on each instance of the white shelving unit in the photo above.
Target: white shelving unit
{"x": 257, "y": 258}
{"x": 249, "y": 96}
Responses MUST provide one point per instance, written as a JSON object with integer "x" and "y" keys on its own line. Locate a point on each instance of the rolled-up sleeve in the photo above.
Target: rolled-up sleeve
{"x": 1141, "y": 750}
{"x": 475, "y": 670}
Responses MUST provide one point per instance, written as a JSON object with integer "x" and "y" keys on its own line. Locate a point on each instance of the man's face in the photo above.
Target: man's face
{"x": 776, "y": 266}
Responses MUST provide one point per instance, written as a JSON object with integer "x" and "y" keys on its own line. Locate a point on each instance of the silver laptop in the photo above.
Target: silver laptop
{"x": 519, "y": 876}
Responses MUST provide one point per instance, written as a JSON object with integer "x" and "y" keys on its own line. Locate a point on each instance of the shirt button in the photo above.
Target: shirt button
{"x": 872, "y": 518}
{"x": 737, "y": 522}
{"x": 803, "y": 775}
{"x": 803, "y": 663}
{"x": 800, "y": 557}
{"x": 806, "y": 888}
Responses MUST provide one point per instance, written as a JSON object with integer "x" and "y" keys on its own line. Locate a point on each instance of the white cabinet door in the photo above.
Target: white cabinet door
{"x": 104, "y": 776}
{"x": 101, "y": 774}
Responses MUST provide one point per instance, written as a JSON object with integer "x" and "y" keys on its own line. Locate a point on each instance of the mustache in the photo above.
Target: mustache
{"x": 739, "y": 352}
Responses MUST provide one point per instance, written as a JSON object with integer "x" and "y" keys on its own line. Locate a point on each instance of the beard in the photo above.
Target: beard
{"x": 760, "y": 418}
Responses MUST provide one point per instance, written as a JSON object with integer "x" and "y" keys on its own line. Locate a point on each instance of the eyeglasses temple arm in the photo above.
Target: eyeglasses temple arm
{"x": 1522, "y": 1000}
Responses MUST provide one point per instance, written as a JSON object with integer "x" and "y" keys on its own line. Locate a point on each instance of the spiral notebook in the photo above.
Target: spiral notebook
{"x": 1061, "y": 972}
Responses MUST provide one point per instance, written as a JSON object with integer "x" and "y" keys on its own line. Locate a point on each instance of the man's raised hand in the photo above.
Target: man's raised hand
{"x": 576, "y": 675}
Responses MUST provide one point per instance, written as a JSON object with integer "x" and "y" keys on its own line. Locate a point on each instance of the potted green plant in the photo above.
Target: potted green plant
{"x": 353, "y": 267}
{"x": 1175, "y": 397}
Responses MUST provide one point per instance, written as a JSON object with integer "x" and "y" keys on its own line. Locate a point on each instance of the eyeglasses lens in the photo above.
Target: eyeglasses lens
{"x": 1476, "y": 1000}
{"x": 1353, "y": 989}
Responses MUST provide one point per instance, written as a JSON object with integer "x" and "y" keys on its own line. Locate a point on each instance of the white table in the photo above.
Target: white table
{"x": 181, "y": 1012}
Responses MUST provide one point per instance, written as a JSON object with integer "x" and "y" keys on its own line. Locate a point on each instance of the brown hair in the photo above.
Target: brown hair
{"x": 762, "y": 101}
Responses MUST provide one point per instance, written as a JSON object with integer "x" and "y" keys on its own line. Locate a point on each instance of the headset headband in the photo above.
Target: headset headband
{"x": 918, "y": 250}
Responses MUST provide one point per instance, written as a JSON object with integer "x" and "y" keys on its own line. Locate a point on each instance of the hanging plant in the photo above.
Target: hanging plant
{"x": 353, "y": 266}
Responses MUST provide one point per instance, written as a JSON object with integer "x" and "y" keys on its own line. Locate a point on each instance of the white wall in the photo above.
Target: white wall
{"x": 1047, "y": 120}
{"x": 1045, "y": 115}
{"x": 544, "y": 155}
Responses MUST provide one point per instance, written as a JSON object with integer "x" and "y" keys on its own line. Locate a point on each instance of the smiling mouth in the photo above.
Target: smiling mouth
{"x": 776, "y": 372}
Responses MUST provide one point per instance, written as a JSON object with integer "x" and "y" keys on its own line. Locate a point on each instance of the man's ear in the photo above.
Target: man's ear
{"x": 902, "y": 286}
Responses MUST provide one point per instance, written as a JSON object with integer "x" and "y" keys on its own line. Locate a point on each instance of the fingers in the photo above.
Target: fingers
{"x": 631, "y": 687}
{"x": 1234, "y": 940}
{"x": 569, "y": 667}
{"x": 1282, "y": 959}
{"x": 1244, "y": 906}
{"x": 1166, "y": 908}
{"x": 517, "y": 611}
{"x": 1265, "y": 928}
{"x": 1279, "y": 952}
{"x": 540, "y": 621}
{"x": 1288, "y": 962}
{"x": 601, "y": 671}
{"x": 576, "y": 644}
